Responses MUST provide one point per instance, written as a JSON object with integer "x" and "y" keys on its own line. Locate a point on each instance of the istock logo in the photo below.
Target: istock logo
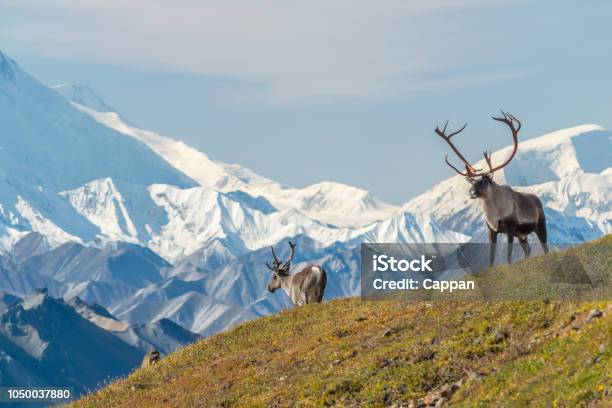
{"x": 384, "y": 263}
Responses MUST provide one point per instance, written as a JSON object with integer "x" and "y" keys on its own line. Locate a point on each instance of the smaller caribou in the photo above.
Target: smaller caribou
{"x": 303, "y": 287}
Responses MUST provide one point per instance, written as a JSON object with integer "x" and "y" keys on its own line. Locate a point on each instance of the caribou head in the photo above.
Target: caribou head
{"x": 279, "y": 269}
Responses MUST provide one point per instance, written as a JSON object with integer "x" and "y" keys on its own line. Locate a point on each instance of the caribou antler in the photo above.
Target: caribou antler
{"x": 276, "y": 261}
{"x": 288, "y": 262}
{"x": 471, "y": 171}
{"x": 278, "y": 264}
{"x": 509, "y": 120}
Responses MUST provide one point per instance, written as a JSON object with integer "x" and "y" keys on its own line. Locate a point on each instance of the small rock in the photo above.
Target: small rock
{"x": 593, "y": 314}
{"x": 152, "y": 357}
{"x": 387, "y": 333}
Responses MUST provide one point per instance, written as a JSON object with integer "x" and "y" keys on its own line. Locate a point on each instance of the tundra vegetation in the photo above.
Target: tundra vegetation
{"x": 350, "y": 352}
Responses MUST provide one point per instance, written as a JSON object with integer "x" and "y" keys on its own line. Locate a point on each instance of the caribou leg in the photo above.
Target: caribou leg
{"x": 492, "y": 246}
{"x": 510, "y": 245}
{"x": 542, "y": 233}
{"x": 525, "y": 246}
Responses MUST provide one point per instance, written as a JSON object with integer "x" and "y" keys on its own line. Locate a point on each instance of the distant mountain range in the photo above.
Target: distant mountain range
{"x": 47, "y": 341}
{"x": 157, "y": 241}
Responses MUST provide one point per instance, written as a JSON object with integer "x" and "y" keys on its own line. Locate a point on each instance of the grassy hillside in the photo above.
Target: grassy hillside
{"x": 355, "y": 353}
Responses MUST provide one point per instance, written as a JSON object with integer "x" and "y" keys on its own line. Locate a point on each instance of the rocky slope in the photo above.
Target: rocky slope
{"x": 49, "y": 342}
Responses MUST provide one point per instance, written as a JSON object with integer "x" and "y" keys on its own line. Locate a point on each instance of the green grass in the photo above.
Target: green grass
{"x": 354, "y": 353}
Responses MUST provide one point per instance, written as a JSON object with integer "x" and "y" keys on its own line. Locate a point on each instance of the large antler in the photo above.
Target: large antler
{"x": 509, "y": 120}
{"x": 470, "y": 171}
{"x": 280, "y": 263}
{"x": 288, "y": 262}
{"x": 276, "y": 261}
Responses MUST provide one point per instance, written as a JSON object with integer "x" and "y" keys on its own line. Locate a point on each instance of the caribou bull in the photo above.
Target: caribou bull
{"x": 506, "y": 211}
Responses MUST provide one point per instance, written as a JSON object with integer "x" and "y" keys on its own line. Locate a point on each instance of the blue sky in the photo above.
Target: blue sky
{"x": 347, "y": 91}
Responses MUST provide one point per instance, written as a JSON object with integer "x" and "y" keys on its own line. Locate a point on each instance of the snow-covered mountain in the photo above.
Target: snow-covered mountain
{"x": 76, "y": 174}
{"x": 79, "y": 171}
{"x": 572, "y": 181}
{"x": 46, "y": 147}
{"x": 328, "y": 202}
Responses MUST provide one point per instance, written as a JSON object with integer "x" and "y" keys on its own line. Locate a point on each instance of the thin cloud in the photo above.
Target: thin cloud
{"x": 294, "y": 50}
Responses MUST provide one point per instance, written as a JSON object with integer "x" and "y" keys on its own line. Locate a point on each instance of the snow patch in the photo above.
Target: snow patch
{"x": 102, "y": 204}
{"x": 40, "y": 224}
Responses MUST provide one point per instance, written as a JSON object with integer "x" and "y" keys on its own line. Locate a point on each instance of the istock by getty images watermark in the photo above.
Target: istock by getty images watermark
{"x": 431, "y": 271}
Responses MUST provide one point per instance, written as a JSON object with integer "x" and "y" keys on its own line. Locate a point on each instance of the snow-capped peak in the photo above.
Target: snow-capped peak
{"x": 556, "y": 155}
{"x": 329, "y": 202}
{"x": 83, "y": 95}
{"x": 101, "y": 203}
{"x": 560, "y": 136}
